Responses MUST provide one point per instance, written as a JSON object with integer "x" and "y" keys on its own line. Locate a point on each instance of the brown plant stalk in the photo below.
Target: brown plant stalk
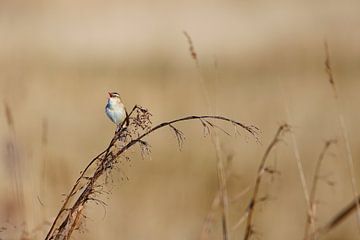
{"x": 70, "y": 214}
{"x": 344, "y": 130}
{"x": 216, "y": 203}
{"x": 311, "y": 214}
{"x": 296, "y": 151}
{"x": 221, "y": 173}
{"x": 13, "y": 161}
{"x": 338, "y": 218}
{"x": 261, "y": 170}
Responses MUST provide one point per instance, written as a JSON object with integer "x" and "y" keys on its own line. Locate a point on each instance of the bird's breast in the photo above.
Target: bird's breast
{"x": 116, "y": 114}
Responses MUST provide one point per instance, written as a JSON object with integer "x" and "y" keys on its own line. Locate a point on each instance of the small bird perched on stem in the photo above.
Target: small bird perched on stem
{"x": 115, "y": 110}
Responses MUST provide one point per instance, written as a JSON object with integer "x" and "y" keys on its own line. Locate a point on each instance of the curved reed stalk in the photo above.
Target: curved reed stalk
{"x": 261, "y": 170}
{"x": 310, "y": 225}
{"x": 70, "y": 214}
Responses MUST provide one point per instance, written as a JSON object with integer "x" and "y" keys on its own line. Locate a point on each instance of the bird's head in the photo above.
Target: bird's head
{"x": 114, "y": 97}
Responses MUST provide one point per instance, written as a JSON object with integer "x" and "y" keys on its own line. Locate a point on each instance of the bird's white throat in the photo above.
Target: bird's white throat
{"x": 115, "y": 103}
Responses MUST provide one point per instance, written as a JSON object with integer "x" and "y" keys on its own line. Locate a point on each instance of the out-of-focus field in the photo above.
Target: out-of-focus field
{"x": 58, "y": 60}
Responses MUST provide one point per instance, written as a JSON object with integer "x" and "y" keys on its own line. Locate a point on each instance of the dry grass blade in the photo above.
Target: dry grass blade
{"x": 216, "y": 203}
{"x": 296, "y": 151}
{"x": 344, "y": 131}
{"x": 311, "y": 215}
{"x": 341, "y": 216}
{"x": 261, "y": 170}
{"x": 14, "y": 167}
{"x": 216, "y": 142}
{"x": 300, "y": 168}
{"x": 70, "y": 214}
{"x": 222, "y": 177}
{"x": 44, "y": 143}
{"x": 244, "y": 216}
{"x": 209, "y": 220}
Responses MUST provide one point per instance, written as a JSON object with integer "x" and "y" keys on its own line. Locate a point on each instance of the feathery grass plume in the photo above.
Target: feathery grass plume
{"x": 88, "y": 187}
{"x": 201, "y": 77}
{"x": 344, "y": 130}
{"x": 191, "y": 48}
{"x": 311, "y": 214}
{"x": 261, "y": 170}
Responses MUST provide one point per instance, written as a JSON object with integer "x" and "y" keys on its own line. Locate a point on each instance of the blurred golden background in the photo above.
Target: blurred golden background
{"x": 58, "y": 60}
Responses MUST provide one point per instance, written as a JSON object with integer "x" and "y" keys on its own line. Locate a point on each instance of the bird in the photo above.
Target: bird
{"x": 116, "y": 111}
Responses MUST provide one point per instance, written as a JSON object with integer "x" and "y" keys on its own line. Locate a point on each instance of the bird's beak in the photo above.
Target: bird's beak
{"x": 109, "y": 94}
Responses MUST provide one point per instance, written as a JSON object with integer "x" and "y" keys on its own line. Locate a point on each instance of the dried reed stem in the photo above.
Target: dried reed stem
{"x": 344, "y": 129}
{"x": 201, "y": 78}
{"x": 221, "y": 173}
{"x": 341, "y": 216}
{"x": 222, "y": 188}
{"x": 300, "y": 168}
{"x": 261, "y": 170}
{"x": 42, "y": 183}
{"x": 69, "y": 215}
{"x": 210, "y": 218}
{"x": 296, "y": 151}
{"x": 14, "y": 164}
{"x": 311, "y": 215}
